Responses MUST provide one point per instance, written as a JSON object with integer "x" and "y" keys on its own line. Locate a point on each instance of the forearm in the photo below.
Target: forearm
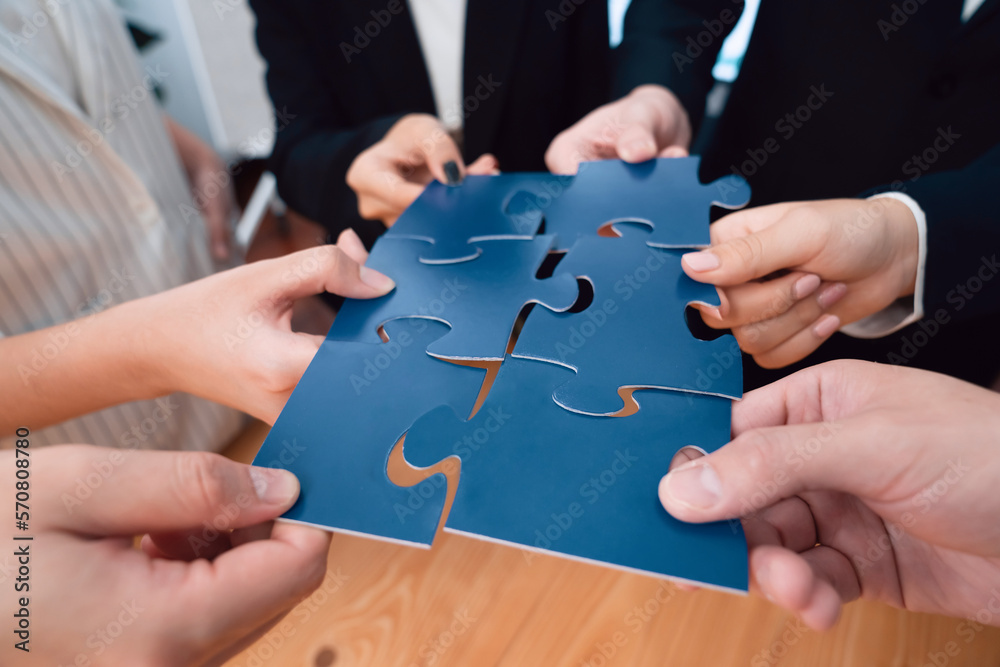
{"x": 58, "y": 373}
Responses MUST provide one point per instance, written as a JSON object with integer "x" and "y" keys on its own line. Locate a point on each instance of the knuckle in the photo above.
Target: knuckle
{"x": 198, "y": 477}
{"x": 748, "y": 250}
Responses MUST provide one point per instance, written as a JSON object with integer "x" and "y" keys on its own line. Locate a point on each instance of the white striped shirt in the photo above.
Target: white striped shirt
{"x": 94, "y": 206}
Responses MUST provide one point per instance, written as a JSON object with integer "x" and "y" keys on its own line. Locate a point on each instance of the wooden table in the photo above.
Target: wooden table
{"x": 475, "y": 604}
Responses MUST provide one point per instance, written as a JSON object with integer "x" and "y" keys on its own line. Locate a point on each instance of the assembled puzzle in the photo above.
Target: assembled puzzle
{"x": 572, "y": 287}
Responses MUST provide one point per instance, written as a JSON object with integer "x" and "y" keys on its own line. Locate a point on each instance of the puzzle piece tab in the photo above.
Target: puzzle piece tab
{"x": 480, "y": 299}
{"x": 634, "y": 334}
{"x": 540, "y": 477}
{"x": 665, "y": 193}
{"x": 454, "y": 218}
{"x": 351, "y": 407}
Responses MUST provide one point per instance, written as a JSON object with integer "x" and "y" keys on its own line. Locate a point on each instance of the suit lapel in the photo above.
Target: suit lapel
{"x": 23, "y": 70}
{"x": 492, "y": 33}
{"x": 393, "y": 58}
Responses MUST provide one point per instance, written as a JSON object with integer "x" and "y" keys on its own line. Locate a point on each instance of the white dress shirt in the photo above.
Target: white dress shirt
{"x": 440, "y": 26}
{"x": 94, "y": 206}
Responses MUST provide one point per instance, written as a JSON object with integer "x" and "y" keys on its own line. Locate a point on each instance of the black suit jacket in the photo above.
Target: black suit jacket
{"x": 840, "y": 99}
{"x": 539, "y": 64}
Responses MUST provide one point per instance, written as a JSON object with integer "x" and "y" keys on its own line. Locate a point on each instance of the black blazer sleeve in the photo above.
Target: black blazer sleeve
{"x": 674, "y": 43}
{"x": 963, "y": 237}
{"x": 313, "y": 144}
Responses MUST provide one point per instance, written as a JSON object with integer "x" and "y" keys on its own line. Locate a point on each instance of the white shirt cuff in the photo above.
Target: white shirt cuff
{"x": 906, "y": 310}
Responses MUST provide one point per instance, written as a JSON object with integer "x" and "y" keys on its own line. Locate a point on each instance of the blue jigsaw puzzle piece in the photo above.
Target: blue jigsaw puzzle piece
{"x": 537, "y": 476}
{"x": 635, "y": 333}
{"x": 665, "y": 193}
{"x": 480, "y": 299}
{"x": 452, "y": 219}
{"x": 351, "y": 407}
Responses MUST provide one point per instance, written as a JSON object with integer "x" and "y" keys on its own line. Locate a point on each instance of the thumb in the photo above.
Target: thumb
{"x": 114, "y": 492}
{"x": 326, "y": 269}
{"x": 763, "y": 466}
{"x": 438, "y": 152}
{"x": 744, "y": 258}
{"x": 637, "y": 143}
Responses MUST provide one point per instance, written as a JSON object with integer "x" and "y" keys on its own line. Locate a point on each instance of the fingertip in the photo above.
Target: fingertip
{"x": 377, "y": 280}
{"x": 349, "y": 241}
{"x": 690, "y": 491}
{"x": 273, "y": 486}
{"x": 700, "y": 262}
{"x": 637, "y": 150}
{"x": 826, "y": 326}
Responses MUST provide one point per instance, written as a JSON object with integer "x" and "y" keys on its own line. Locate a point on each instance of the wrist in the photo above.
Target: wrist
{"x": 904, "y": 238}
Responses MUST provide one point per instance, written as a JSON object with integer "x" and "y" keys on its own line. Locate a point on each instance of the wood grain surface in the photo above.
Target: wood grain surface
{"x": 470, "y": 603}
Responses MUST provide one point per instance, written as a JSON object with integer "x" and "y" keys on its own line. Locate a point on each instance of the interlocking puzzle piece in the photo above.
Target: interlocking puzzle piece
{"x": 540, "y": 477}
{"x": 454, "y": 218}
{"x": 665, "y": 193}
{"x": 480, "y": 299}
{"x": 634, "y": 334}
{"x": 351, "y": 407}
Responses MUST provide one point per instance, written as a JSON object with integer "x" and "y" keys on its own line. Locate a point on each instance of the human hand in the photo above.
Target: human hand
{"x": 211, "y": 187}
{"x": 228, "y": 337}
{"x": 859, "y": 480}
{"x": 212, "y": 574}
{"x": 389, "y": 175}
{"x": 845, "y": 259}
{"x": 649, "y": 122}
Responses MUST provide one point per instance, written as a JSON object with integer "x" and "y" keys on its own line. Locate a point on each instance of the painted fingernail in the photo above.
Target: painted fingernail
{"x": 696, "y": 486}
{"x": 274, "y": 487}
{"x": 805, "y": 286}
{"x": 831, "y": 295}
{"x": 826, "y": 325}
{"x": 379, "y": 281}
{"x": 451, "y": 173}
{"x": 701, "y": 261}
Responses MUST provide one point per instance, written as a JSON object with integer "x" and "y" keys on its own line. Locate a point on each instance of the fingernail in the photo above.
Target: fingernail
{"x": 635, "y": 149}
{"x": 701, "y": 261}
{"x": 763, "y": 576}
{"x": 451, "y": 173}
{"x": 273, "y": 486}
{"x": 694, "y": 485}
{"x": 826, "y": 325}
{"x": 805, "y": 286}
{"x": 831, "y": 295}
{"x": 379, "y": 281}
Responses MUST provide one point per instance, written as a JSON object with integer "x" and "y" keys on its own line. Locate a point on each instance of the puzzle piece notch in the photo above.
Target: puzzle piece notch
{"x": 635, "y": 333}
{"x": 665, "y": 192}
{"x": 584, "y": 487}
{"x": 341, "y": 458}
{"x": 453, "y": 219}
{"x": 479, "y": 299}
